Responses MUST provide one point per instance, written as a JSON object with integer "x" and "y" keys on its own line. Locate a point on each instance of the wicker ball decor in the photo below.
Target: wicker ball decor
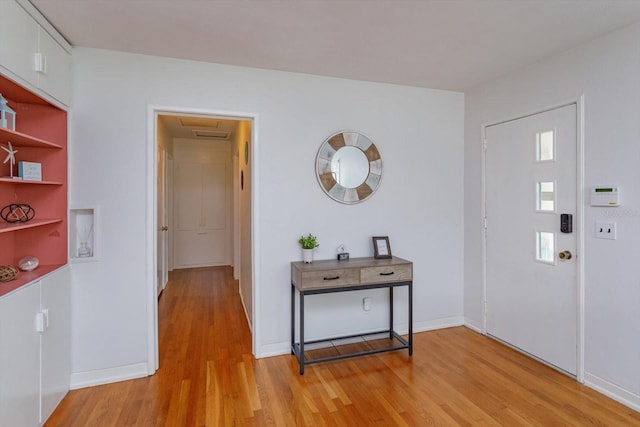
{"x": 8, "y": 273}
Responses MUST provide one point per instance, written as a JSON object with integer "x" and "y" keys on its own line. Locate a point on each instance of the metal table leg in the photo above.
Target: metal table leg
{"x": 293, "y": 318}
{"x": 390, "y": 312}
{"x": 301, "y": 358}
{"x": 411, "y": 318}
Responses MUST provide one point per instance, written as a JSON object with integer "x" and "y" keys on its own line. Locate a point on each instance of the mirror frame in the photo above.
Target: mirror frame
{"x": 326, "y": 179}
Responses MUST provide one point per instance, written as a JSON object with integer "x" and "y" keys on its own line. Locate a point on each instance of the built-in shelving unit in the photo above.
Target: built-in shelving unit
{"x": 40, "y": 136}
{"x": 19, "y": 181}
{"x": 23, "y": 140}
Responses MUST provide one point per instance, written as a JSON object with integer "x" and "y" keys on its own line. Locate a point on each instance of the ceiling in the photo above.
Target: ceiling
{"x": 441, "y": 44}
{"x": 205, "y": 128}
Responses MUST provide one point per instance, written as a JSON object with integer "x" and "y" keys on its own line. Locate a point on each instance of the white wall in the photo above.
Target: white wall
{"x": 606, "y": 71}
{"x": 244, "y": 265}
{"x": 419, "y": 204}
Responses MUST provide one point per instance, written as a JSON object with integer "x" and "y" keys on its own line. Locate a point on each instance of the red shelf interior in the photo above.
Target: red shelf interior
{"x": 40, "y": 136}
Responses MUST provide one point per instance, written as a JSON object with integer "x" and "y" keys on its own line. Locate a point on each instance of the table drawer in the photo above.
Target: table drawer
{"x": 391, "y": 273}
{"x": 330, "y": 278}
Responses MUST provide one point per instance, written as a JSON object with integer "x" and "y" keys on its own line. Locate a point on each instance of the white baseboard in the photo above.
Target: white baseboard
{"x": 626, "y": 397}
{"x": 472, "y": 325}
{"x": 431, "y": 325}
{"x": 279, "y": 349}
{"x": 246, "y": 314}
{"x": 274, "y": 350}
{"x": 106, "y": 376}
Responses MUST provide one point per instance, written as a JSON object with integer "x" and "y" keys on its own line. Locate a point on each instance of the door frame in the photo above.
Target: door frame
{"x": 151, "y": 215}
{"x": 579, "y": 229}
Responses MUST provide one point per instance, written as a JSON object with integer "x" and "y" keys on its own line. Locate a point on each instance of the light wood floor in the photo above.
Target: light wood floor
{"x": 208, "y": 377}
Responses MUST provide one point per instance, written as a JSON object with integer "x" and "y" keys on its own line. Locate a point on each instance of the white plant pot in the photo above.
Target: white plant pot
{"x": 307, "y": 256}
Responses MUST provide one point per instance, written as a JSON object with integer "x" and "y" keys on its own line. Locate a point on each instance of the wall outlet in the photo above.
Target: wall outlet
{"x": 606, "y": 230}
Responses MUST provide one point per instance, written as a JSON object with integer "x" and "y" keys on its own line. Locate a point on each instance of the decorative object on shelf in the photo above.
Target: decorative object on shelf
{"x": 348, "y": 167}
{"x": 28, "y": 263}
{"x": 7, "y": 115}
{"x": 84, "y": 234}
{"x": 30, "y": 171}
{"x": 308, "y": 243}
{"x": 343, "y": 255}
{"x": 17, "y": 212}
{"x": 11, "y": 158}
{"x": 381, "y": 247}
{"x": 8, "y": 273}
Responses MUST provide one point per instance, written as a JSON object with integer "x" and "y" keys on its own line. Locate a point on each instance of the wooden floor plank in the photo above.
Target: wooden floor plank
{"x": 208, "y": 377}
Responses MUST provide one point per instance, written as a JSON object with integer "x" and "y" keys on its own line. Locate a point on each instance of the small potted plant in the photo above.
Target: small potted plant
{"x": 308, "y": 244}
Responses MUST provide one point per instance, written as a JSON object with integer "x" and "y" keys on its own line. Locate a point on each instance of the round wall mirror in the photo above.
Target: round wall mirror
{"x": 348, "y": 167}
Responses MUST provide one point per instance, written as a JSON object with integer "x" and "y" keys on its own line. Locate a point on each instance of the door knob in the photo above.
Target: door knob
{"x": 165, "y": 228}
{"x": 564, "y": 255}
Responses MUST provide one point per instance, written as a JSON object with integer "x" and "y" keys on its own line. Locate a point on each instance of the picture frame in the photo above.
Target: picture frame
{"x": 381, "y": 247}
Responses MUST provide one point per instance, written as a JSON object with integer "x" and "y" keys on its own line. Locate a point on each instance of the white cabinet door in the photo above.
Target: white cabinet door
{"x": 202, "y": 205}
{"x": 55, "y": 78}
{"x": 18, "y": 41}
{"x": 188, "y": 193}
{"x": 55, "y": 303}
{"x": 20, "y": 358}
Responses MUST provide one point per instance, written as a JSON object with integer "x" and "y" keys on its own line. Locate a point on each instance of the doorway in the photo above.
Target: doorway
{"x": 532, "y": 235}
{"x": 212, "y": 150}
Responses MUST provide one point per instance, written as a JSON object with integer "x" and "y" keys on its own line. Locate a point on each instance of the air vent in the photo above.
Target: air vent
{"x": 211, "y": 134}
{"x": 199, "y": 122}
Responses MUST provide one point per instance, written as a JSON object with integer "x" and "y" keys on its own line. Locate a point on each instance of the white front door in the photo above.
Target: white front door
{"x": 531, "y": 268}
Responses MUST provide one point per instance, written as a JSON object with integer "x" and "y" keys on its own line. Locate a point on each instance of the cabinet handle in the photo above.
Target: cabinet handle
{"x": 387, "y": 274}
{"x": 332, "y": 278}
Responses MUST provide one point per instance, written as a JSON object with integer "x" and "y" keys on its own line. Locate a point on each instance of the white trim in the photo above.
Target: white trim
{"x": 469, "y": 323}
{"x": 580, "y": 180}
{"x": 432, "y": 325}
{"x": 151, "y": 244}
{"x": 580, "y": 115}
{"x": 255, "y": 237}
{"x": 151, "y": 219}
{"x": 483, "y": 223}
{"x": 626, "y": 397}
{"x": 244, "y": 307}
{"x": 107, "y": 376}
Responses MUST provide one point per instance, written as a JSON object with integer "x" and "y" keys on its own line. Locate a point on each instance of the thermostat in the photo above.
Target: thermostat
{"x": 605, "y": 196}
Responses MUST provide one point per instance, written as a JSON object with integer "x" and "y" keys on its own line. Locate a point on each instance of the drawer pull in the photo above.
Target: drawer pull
{"x": 332, "y": 278}
{"x": 386, "y": 274}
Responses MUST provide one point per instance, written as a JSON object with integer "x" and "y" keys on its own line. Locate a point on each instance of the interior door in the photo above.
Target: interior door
{"x": 531, "y": 268}
{"x": 163, "y": 220}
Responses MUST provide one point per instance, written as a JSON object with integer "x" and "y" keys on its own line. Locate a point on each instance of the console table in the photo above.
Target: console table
{"x": 330, "y": 276}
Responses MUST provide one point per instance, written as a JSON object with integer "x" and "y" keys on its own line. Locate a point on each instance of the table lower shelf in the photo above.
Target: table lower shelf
{"x": 344, "y": 347}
